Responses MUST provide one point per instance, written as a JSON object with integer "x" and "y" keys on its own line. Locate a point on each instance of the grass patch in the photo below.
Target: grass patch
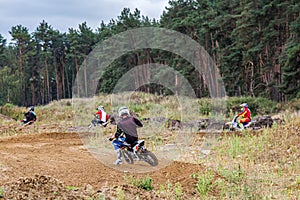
{"x": 204, "y": 182}
{"x": 1, "y": 192}
{"x": 144, "y": 183}
{"x": 170, "y": 191}
{"x": 235, "y": 175}
{"x": 71, "y": 188}
{"x": 120, "y": 193}
{"x": 266, "y": 163}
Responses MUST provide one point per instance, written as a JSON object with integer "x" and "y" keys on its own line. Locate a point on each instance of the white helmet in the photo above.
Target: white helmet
{"x": 100, "y": 108}
{"x": 123, "y": 111}
{"x": 244, "y": 105}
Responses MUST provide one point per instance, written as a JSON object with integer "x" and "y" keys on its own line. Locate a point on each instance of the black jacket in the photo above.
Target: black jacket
{"x": 30, "y": 116}
{"x": 128, "y": 127}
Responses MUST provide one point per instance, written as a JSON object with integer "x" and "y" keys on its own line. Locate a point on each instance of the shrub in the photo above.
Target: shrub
{"x": 293, "y": 105}
{"x": 204, "y": 182}
{"x": 11, "y": 111}
{"x": 204, "y": 106}
{"x": 1, "y": 192}
{"x": 144, "y": 183}
{"x": 257, "y": 105}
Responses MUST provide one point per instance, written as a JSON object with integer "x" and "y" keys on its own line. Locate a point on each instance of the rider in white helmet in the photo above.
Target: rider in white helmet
{"x": 245, "y": 115}
{"x": 126, "y": 132}
{"x": 101, "y": 116}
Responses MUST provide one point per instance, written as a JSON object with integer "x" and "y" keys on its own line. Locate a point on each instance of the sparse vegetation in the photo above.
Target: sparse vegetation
{"x": 143, "y": 183}
{"x": 252, "y": 165}
{"x": 170, "y": 191}
{"x": 204, "y": 183}
{"x": 68, "y": 187}
{"x": 258, "y": 105}
{"x": 1, "y": 192}
{"x": 264, "y": 159}
{"x": 120, "y": 194}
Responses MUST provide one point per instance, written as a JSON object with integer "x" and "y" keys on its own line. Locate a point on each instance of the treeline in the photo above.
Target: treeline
{"x": 255, "y": 45}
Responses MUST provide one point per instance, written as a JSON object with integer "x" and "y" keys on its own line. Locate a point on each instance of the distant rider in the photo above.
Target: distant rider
{"x": 30, "y": 116}
{"x": 101, "y": 116}
{"x": 126, "y": 133}
{"x": 244, "y": 116}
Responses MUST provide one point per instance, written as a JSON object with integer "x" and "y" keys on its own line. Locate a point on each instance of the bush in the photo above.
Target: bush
{"x": 205, "y": 106}
{"x": 11, "y": 111}
{"x": 1, "y": 192}
{"x": 257, "y": 105}
{"x": 144, "y": 183}
{"x": 204, "y": 182}
{"x": 293, "y": 105}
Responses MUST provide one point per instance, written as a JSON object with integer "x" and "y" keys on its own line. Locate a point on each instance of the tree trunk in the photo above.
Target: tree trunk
{"x": 78, "y": 84}
{"x": 63, "y": 78}
{"x": 22, "y": 75}
{"x": 85, "y": 79}
{"x": 58, "y": 96}
{"x": 48, "y": 97}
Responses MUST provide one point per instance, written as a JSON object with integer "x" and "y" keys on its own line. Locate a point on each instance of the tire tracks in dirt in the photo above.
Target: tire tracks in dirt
{"x": 63, "y": 156}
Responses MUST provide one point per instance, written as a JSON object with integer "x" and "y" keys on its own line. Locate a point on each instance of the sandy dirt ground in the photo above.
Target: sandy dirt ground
{"x": 62, "y": 156}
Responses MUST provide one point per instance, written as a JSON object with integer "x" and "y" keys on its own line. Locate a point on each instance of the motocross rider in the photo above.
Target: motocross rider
{"x": 101, "y": 116}
{"x": 126, "y": 133}
{"x": 245, "y": 115}
{"x": 30, "y": 116}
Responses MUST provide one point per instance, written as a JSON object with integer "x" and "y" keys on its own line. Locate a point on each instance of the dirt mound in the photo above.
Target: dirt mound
{"x": 262, "y": 121}
{"x": 41, "y": 187}
{"x": 5, "y": 117}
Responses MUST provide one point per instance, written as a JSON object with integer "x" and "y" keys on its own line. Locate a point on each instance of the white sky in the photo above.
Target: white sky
{"x": 64, "y": 14}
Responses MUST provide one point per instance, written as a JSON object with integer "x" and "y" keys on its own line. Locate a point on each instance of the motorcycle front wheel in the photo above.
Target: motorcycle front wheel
{"x": 127, "y": 157}
{"x": 149, "y": 158}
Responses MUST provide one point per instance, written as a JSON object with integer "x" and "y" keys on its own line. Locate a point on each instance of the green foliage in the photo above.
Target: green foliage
{"x": 12, "y": 111}
{"x": 235, "y": 175}
{"x": 1, "y": 192}
{"x": 9, "y": 85}
{"x": 178, "y": 191}
{"x": 139, "y": 108}
{"x": 204, "y": 182}
{"x": 236, "y": 147}
{"x": 291, "y": 70}
{"x": 71, "y": 188}
{"x": 244, "y": 39}
{"x": 144, "y": 183}
{"x": 257, "y": 105}
{"x": 293, "y": 105}
{"x": 120, "y": 194}
{"x": 171, "y": 191}
{"x": 204, "y": 106}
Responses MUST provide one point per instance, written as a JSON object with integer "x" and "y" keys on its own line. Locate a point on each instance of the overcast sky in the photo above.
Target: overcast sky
{"x": 64, "y": 14}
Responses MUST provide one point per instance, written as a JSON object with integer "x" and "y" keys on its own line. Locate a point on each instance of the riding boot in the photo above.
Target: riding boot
{"x": 119, "y": 157}
{"x": 104, "y": 124}
{"x": 240, "y": 125}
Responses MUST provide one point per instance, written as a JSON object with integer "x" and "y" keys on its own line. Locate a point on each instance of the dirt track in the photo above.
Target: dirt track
{"x": 63, "y": 156}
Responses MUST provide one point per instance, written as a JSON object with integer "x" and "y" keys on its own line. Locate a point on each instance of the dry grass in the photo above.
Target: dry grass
{"x": 269, "y": 159}
{"x": 256, "y": 165}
